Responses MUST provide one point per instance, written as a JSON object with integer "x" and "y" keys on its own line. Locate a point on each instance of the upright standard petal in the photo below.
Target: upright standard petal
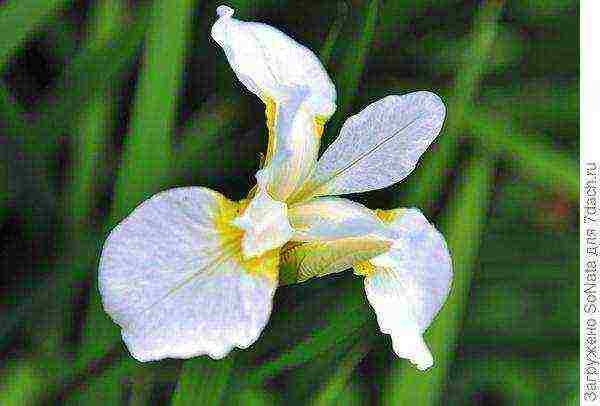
{"x": 379, "y": 146}
{"x": 268, "y": 62}
{"x": 294, "y": 141}
{"x": 297, "y": 92}
{"x": 408, "y": 285}
{"x": 173, "y": 277}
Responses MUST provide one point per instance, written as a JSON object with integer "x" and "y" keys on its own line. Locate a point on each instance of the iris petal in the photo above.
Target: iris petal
{"x": 408, "y": 285}
{"x": 269, "y": 63}
{"x": 379, "y": 146}
{"x": 293, "y": 84}
{"x": 173, "y": 277}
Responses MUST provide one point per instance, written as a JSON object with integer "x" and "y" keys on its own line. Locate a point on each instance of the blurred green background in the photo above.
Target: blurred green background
{"x": 103, "y": 103}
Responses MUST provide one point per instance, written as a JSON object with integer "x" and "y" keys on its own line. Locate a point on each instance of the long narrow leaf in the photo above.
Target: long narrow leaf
{"x": 541, "y": 163}
{"x": 341, "y": 320}
{"x": 202, "y": 382}
{"x": 21, "y": 383}
{"x": 147, "y": 155}
{"x": 396, "y": 15}
{"x": 335, "y": 385}
{"x": 333, "y": 34}
{"x": 353, "y": 65}
{"x": 425, "y": 184}
{"x": 91, "y": 72}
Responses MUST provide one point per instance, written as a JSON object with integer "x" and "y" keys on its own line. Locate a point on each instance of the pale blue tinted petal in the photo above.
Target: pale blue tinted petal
{"x": 171, "y": 280}
{"x": 410, "y": 284}
{"x": 379, "y": 146}
{"x": 295, "y": 145}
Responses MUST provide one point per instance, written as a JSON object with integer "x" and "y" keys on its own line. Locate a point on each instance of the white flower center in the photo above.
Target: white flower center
{"x": 265, "y": 223}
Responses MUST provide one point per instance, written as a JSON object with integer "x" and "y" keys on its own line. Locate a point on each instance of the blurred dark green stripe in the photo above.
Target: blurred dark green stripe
{"x": 23, "y": 383}
{"x": 110, "y": 388}
{"x": 537, "y": 159}
{"x": 333, "y": 34}
{"x": 252, "y": 397}
{"x": 353, "y": 64}
{"x": 396, "y": 15}
{"x": 91, "y": 165}
{"x": 518, "y": 384}
{"x": 203, "y": 381}
{"x": 339, "y": 320}
{"x": 93, "y": 71}
{"x": 335, "y": 384}
{"x": 19, "y": 18}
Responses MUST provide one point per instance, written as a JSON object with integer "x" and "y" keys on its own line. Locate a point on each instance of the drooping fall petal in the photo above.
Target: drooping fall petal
{"x": 408, "y": 285}
{"x": 173, "y": 277}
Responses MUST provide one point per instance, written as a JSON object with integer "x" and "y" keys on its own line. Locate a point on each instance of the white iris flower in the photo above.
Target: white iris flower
{"x": 190, "y": 272}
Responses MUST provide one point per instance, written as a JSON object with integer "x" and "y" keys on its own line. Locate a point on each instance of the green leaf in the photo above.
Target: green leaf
{"x": 20, "y": 18}
{"x": 202, "y": 382}
{"x": 340, "y": 319}
{"x": 542, "y": 104}
{"x": 92, "y": 72}
{"x": 334, "y": 33}
{"x": 251, "y": 397}
{"x": 147, "y": 156}
{"x": 426, "y": 182}
{"x": 79, "y": 199}
{"x": 202, "y": 150}
{"x": 463, "y": 225}
{"x": 353, "y": 65}
{"x": 21, "y": 383}
{"x": 512, "y": 378}
{"x": 396, "y": 15}
{"x": 541, "y": 162}
{"x": 89, "y": 153}
{"x": 109, "y": 388}
{"x": 338, "y": 381}
{"x": 439, "y": 53}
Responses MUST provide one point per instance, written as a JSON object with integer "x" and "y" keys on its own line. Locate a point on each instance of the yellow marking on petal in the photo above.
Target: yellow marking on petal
{"x": 387, "y": 216}
{"x": 319, "y": 123}
{"x": 228, "y": 210}
{"x": 266, "y": 265}
{"x": 364, "y": 268}
{"x": 271, "y": 113}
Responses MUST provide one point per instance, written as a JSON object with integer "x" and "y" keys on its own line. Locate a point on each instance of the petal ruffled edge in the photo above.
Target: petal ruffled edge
{"x": 408, "y": 284}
